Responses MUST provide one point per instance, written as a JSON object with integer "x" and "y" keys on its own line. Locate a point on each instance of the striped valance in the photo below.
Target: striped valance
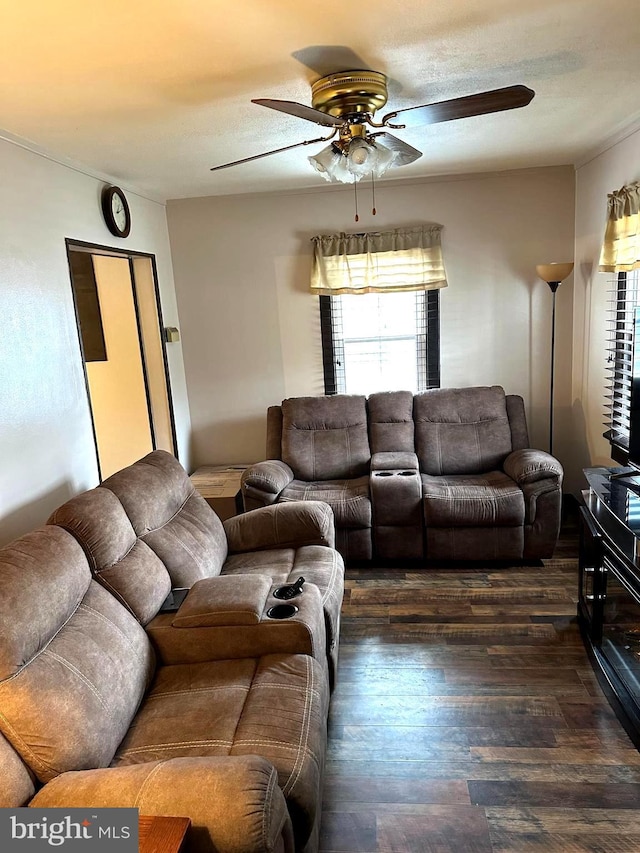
{"x": 378, "y": 262}
{"x": 621, "y": 247}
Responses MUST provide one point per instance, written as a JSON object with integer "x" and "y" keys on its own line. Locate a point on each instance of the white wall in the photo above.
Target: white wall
{"x": 608, "y": 171}
{"x": 250, "y": 328}
{"x": 47, "y": 451}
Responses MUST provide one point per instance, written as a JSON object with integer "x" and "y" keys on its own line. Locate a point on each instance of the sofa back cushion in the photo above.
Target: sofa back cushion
{"x": 274, "y": 432}
{"x": 391, "y": 422}
{"x": 461, "y": 430}
{"x": 325, "y": 438}
{"x": 170, "y": 517}
{"x": 74, "y": 663}
{"x": 118, "y": 559}
{"x": 517, "y": 422}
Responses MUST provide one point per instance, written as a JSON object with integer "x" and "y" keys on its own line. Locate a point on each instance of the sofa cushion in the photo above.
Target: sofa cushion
{"x": 274, "y": 706}
{"x": 349, "y": 499}
{"x": 325, "y": 438}
{"x": 482, "y": 500}
{"x": 122, "y": 563}
{"x": 67, "y": 642}
{"x": 462, "y": 430}
{"x": 476, "y": 543}
{"x": 169, "y": 515}
{"x": 391, "y": 421}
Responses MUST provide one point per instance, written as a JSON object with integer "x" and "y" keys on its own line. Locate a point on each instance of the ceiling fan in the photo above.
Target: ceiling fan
{"x": 346, "y": 102}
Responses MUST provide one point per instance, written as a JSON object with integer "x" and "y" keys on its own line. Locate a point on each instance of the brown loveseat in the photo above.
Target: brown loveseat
{"x": 445, "y": 474}
{"x": 146, "y": 531}
{"x": 215, "y": 711}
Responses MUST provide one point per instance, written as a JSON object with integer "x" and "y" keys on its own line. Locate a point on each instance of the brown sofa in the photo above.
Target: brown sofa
{"x": 146, "y": 531}
{"x": 215, "y": 711}
{"x": 445, "y": 474}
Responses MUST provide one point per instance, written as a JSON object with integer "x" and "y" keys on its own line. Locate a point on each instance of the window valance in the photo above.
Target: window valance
{"x": 378, "y": 262}
{"x": 621, "y": 247}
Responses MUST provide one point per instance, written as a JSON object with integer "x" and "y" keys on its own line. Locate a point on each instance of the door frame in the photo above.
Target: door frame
{"x": 128, "y": 255}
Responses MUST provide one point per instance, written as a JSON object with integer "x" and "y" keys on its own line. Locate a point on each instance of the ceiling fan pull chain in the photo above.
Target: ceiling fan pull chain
{"x": 373, "y": 194}
{"x": 355, "y": 192}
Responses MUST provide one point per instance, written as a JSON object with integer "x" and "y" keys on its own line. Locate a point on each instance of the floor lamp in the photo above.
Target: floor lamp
{"x": 554, "y": 275}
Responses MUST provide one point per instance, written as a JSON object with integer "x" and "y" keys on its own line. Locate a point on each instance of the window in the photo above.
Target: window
{"x": 624, "y": 297}
{"x": 379, "y": 308}
{"x": 620, "y": 256}
{"x": 381, "y": 342}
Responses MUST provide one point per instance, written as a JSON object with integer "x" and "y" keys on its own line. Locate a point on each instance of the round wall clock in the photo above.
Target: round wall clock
{"x": 116, "y": 211}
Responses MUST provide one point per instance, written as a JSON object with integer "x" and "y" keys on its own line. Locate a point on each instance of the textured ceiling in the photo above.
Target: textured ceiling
{"x": 154, "y": 93}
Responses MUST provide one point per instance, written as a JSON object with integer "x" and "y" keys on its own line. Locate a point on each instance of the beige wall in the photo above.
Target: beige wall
{"x": 250, "y": 329}
{"x": 47, "y": 452}
{"x": 608, "y": 171}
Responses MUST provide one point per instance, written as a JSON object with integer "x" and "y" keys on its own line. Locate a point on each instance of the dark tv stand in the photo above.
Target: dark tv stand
{"x": 609, "y": 590}
{"x": 630, "y": 478}
{"x": 621, "y": 475}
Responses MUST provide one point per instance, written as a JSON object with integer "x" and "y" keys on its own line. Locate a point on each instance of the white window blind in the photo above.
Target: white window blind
{"x": 624, "y": 296}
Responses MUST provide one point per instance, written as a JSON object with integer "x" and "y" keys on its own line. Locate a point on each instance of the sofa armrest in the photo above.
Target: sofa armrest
{"x": 394, "y": 461}
{"x": 529, "y": 466}
{"x": 286, "y": 525}
{"x": 231, "y": 617}
{"x": 234, "y": 802}
{"x": 262, "y": 483}
{"x": 227, "y": 600}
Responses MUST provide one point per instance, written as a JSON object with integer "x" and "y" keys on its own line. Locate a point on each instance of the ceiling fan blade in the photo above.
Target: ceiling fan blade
{"x": 300, "y": 111}
{"x": 494, "y": 101}
{"x": 405, "y": 153}
{"x": 269, "y": 153}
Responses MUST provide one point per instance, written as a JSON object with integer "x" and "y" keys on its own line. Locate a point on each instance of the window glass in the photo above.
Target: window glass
{"x": 381, "y": 342}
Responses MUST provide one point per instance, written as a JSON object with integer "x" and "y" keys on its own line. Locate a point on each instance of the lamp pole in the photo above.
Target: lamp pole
{"x": 554, "y": 285}
{"x": 553, "y": 274}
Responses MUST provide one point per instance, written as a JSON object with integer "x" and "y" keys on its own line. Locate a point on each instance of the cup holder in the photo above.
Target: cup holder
{"x": 290, "y": 590}
{"x": 282, "y": 611}
{"x": 383, "y": 474}
{"x": 407, "y": 473}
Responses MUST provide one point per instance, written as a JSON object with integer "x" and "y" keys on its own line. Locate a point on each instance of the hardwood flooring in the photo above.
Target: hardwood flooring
{"x": 467, "y": 718}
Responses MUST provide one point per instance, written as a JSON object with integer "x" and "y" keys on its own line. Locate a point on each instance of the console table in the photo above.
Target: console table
{"x": 609, "y": 589}
{"x": 219, "y": 485}
{"x": 160, "y": 834}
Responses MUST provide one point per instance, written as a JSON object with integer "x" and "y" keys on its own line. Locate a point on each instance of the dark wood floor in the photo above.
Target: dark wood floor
{"x": 467, "y": 718}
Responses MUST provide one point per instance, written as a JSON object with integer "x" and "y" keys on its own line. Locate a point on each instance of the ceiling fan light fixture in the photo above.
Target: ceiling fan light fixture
{"x": 366, "y": 157}
{"x": 385, "y": 159}
{"x": 331, "y": 163}
{"x": 361, "y": 158}
{"x": 325, "y": 162}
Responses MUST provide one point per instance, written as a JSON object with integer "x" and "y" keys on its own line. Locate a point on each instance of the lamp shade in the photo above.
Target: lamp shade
{"x": 554, "y": 273}
{"x": 325, "y": 161}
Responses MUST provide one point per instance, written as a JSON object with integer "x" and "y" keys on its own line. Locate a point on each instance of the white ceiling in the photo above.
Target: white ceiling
{"x": 154, "y": 93}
